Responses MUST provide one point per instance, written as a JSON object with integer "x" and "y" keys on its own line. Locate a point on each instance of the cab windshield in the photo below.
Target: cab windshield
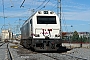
{"x": 46, "y": 19}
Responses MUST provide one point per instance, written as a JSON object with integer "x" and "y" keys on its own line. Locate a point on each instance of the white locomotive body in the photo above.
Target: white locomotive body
{"x": 41, "y": 31}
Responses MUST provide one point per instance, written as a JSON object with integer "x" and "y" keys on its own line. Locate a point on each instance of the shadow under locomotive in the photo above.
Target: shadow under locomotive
{"x": 59, "y": 50}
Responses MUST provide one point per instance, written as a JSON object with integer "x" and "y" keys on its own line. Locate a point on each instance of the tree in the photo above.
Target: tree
{"x": 75, "y": 36}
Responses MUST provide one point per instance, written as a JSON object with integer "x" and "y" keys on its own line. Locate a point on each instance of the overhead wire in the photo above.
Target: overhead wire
{"x": 53, "y": 7}
{"x": 3, "y": 13}
{"x": 22, "y": 4}
{"x": 45, "y": 4}
{"x": 3, "y": 7}
{"x": 37, "y": 8}
{"x": 41, "y": 4}
{"x": 64, "y": 22}
{"x": 11, "y": 3}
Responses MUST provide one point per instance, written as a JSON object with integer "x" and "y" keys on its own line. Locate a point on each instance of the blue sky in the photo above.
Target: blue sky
{"x": 74, "y": 12}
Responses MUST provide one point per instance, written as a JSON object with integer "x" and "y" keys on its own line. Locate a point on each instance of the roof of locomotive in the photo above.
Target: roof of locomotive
{"x": 39, "y": 12}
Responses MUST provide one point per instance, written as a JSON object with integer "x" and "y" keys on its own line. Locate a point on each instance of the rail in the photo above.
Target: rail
{"x": 9, "y": 54}
{"x": 75, "y": 57}
{"x": 2, "y": 44}
{"x": 55, "y": 56}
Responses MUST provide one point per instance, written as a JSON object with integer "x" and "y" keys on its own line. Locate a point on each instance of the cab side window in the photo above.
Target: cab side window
{"x": 31, "y": 21}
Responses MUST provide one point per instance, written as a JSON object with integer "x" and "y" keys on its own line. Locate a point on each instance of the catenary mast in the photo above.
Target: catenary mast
{"x": 59, "y": 14}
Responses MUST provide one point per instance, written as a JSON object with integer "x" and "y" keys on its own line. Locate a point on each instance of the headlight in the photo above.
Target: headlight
{"x": 39, "y": 12}
{"x": 37, "y": 35}
{"x": 57, "y": 35}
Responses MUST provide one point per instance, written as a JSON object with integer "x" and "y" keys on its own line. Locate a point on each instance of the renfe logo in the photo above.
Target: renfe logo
{"x": 44, "y": 32}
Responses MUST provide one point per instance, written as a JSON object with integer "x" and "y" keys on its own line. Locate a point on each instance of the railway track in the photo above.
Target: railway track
{"x": 53, "y": 57}
{"x": 2, "y": 44}
{"x": 5, "y": 52}
{"x": 49, "y": 56}
{"x": 30, "y": 55}
{"x": 26, "y": 54}
{"x": 76, "y": 57}
{"x": 9, "y": 53}
{"x": 59, "y": 56}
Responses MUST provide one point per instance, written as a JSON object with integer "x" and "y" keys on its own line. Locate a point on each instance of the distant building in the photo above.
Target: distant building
{"x": 17, "y": 36}
{"x": 6, "y": 34}
{"x": 83, "y": 34}
{"x": 14, "y": 36}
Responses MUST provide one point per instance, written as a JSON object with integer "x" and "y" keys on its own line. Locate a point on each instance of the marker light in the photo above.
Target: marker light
{"x": 49, "y": 29}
